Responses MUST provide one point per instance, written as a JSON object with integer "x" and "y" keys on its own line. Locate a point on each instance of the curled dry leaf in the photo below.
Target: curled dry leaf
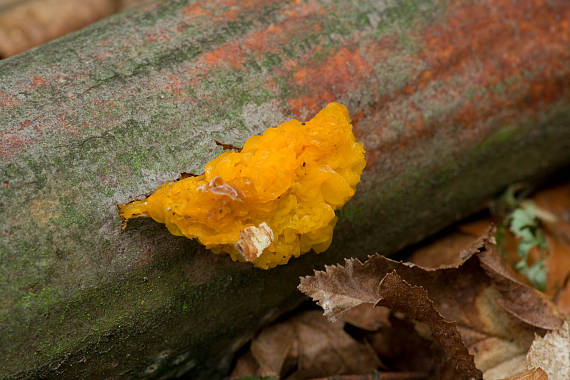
{"x": 552, "y": 353}
{"x": 413, "y": 301}
{"x": 305, "y": 346}
{"x": 480, "y": 295}
{"x": 522, "y": 301}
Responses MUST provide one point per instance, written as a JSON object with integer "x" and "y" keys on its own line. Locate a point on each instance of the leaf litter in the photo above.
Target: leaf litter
{"x": 306, "y": 346}
{"x": 461, "y": 310}
{"x": 552, "y": 353}
{"x": 478, "y": 314}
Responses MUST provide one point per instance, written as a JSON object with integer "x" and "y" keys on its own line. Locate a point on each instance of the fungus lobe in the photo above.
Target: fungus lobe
{"x": 273, "y": 200}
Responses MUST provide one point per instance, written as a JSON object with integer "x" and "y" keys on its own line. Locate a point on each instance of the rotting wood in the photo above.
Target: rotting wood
{"x": 453, "y": 100}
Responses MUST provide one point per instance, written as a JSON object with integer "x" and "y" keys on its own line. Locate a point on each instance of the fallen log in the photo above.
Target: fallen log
{"x": 453, "y": 101}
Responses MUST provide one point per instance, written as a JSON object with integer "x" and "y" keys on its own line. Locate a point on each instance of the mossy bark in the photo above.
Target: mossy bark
{"x": 453, "y": 100}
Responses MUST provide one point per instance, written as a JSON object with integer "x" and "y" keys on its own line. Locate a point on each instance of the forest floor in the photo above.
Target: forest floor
{"x": 487, "y": 297}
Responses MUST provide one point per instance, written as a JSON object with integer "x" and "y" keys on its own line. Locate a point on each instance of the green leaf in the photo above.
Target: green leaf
{"x": 522, "y": 223}
{"x": 521, "y": 266}
{"x": 540, "y": 239}
{"x": 536, "y": 274}
{"x": 524, "y": 248}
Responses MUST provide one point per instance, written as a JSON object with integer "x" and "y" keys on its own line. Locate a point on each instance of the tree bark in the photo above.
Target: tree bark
{"x": 454, "y": 100}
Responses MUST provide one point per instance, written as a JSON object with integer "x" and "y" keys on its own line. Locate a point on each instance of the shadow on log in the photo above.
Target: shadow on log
{"x": 453, "y": 100}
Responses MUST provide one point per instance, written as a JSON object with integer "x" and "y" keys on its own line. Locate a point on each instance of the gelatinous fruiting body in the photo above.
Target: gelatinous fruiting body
{"x": 274, "y": 199}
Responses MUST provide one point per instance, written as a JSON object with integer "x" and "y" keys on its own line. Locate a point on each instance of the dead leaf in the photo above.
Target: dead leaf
{"x": 378, "y": 376}
{"x": 497, "y": 315}
{"x": 304, "y": 346}
{"x": 527, "y": 304}
{"x": 273, "y": 347}
{"x": 413, "y": 301}
{"x": 531, "y": 374}
{"x": 368, "y": 317}
{"x": 480, "y": 295}
{"x": 516, "y": 294}
{"x": 562, "y": 298}
{"x": 444, "y": 251}
{"x": 25, "y": 24}
{"x": 31, "y": 23}
{"x": 556, "y": 201}
{"x": 401, "y": 348}
{"x": 323, "y": 347}
{"x": 552, "y": 353}
{"x": 477, "y": 227}
{"x": 245, "y": 366}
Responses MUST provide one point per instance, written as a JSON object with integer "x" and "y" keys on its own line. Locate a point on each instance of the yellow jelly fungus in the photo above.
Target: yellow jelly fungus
{"x": 272, "y": 200}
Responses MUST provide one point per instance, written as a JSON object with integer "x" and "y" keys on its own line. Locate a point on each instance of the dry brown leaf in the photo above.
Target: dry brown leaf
{"x": 562, "y": 299}
{"x": 476, "y": 227}
{"x": 531, "y": 374}
{"x": 273, "y": 347}
{"x": 28, "y": 23}
{"x": 552, "y": 353}
{"x": 309, "y": 345}
{"x": 522, "y": 301}
{"x": 402, "y": 349}
{"x": 368, "y": 317}
{"x": 414, "y": 302}
{"x": 378, "y": 376}
{"x": 31, "y": 23}
{"x": 481, "y": 296}
{"x": 444, "y": 251}
{"x": 556, "y": 201}
{"x": 245, "y": 366}
{"x": 329, "y": 350}
{"x": 514, "y": 365}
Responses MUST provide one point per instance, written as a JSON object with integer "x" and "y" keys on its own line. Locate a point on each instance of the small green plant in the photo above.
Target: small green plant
{"x": 524, "y": 224}
{"x": 523, "y": 219}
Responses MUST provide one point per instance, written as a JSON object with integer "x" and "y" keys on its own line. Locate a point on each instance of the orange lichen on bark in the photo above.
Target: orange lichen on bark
{"x": 274, "y": 199}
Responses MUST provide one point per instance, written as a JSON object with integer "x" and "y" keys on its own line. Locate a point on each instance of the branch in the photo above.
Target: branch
{"x": 452, "y": 100}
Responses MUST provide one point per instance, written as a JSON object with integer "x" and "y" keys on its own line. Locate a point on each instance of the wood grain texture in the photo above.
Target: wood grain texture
{"x": 453, "y": 100}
